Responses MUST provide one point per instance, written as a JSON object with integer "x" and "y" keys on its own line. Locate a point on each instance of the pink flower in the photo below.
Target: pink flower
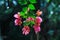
{"x": 37, "y": 28}
{"x": 30, "y": 19}
{"x": 18, "y": 19}
{"x": 38, "y": 20}
{"x": 17, "y": 15}
{"x": 17, "y": 22}
{"x": 25, "y": 30}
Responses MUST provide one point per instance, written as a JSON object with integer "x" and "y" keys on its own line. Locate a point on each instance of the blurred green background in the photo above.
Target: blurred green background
{"x": 50, "y": 27}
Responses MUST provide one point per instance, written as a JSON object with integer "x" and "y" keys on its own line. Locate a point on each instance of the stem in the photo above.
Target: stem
{"x": 37, "y": 36}
{"x": 31, "y": 37}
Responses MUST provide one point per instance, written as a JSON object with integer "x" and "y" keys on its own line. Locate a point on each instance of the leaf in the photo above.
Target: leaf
{"x": 33, "y": 16}
{"x": 25, "y": 16}
{"x": 31, "y": 6}
{"x": 26, "y": 23}
{"x": 24, "y": 9}
{"x": 32, "y": 1}
{"x": 32, "y": 22}
{"x": 22, "y": 13}
{"x": 22, "y": 2}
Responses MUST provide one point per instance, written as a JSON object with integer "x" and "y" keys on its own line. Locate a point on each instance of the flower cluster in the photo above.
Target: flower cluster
{"x": 36, "y": 26}
{"x": 26, "y": 29}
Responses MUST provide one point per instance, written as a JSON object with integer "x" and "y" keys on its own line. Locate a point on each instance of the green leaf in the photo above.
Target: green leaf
{"x": 33, "y": 16}
{"x": 22, "y": 13}
{"x": 25, "y": 16}
{"x": 32, "y": 1}
{"x": 29, "y": 23}
{"x": 31, "y": 6}
{"x": 32, "y": 22}
{"x": 24, "y": 9}
{"x": 26, "y": 23}
{"x": 22, "y": 2}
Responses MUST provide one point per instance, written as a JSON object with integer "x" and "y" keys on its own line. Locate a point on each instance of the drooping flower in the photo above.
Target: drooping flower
{"x": 25, "y": 30}
{"x": 38, "y": 20}
{"x": 18, "y": 19}
{"x": 38, "y": 13}
{"x": 37, "y": 28}
{"x": 17, "y": 15}
{"x": 30, "y": 19}
{"x": 17, "y": 22}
